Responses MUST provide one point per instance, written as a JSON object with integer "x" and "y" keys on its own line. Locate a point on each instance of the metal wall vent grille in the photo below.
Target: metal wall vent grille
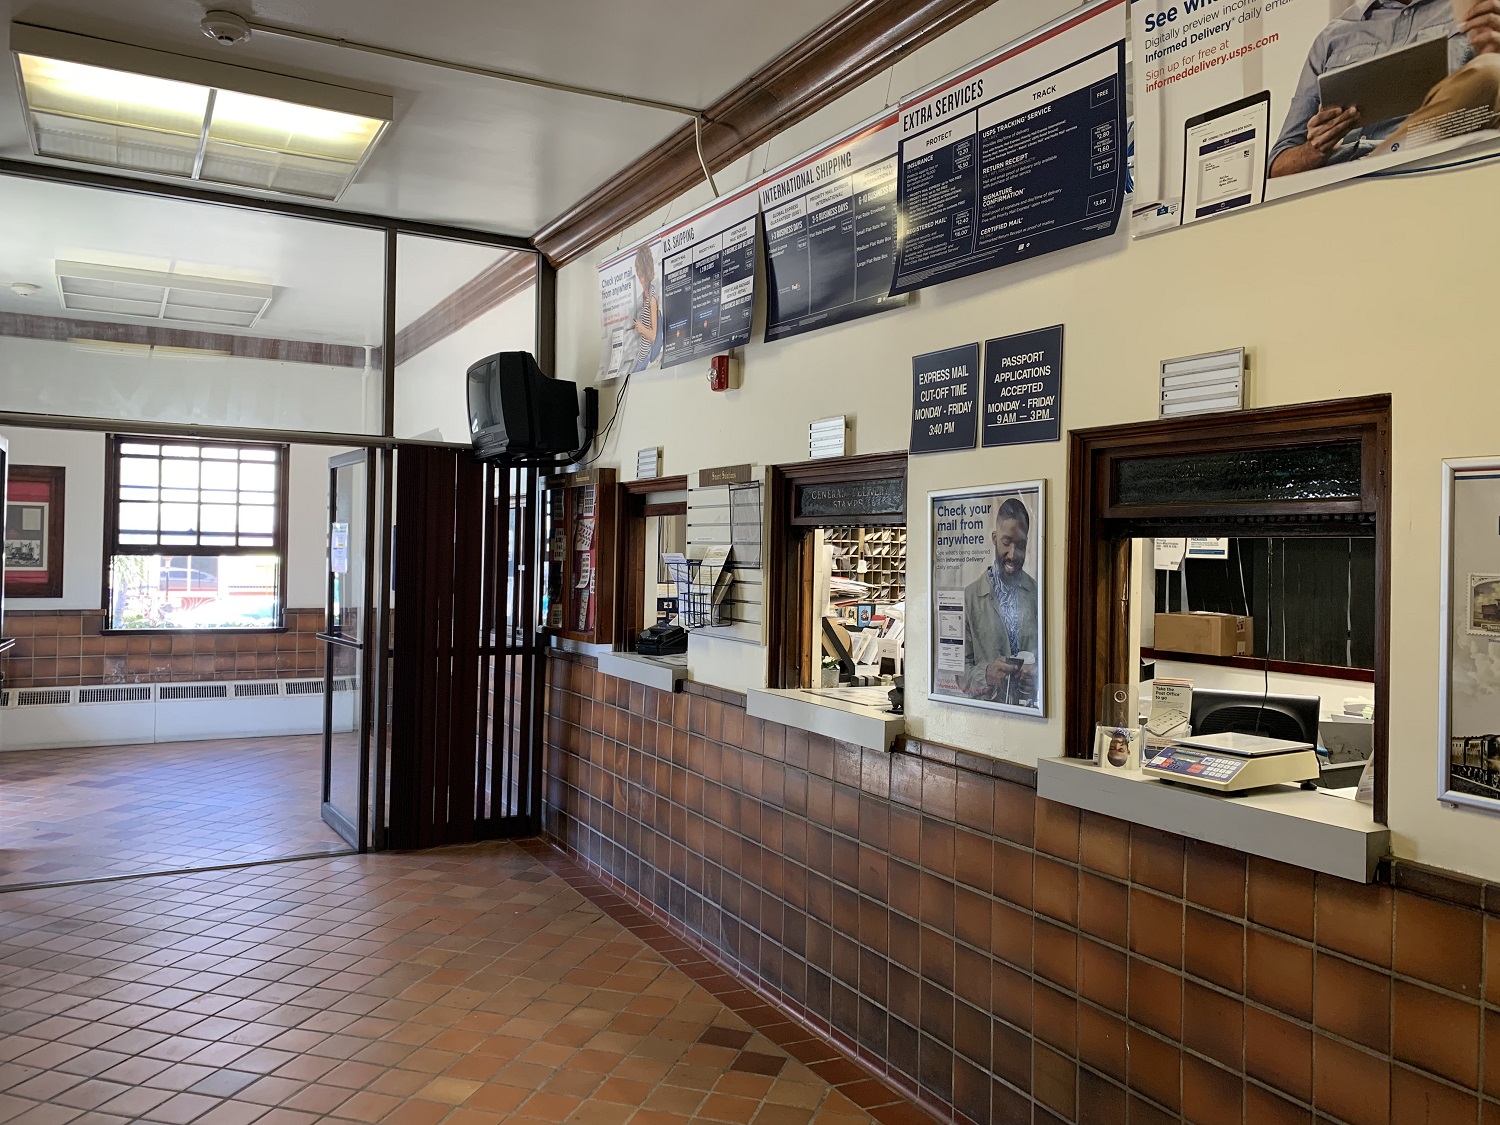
{"x": 133, "y": 694}
{"x": 304, "y": 687}
{"x": 259, "y": 687}
{"x": 33, "y": 697}
{"x": 343, "y": 683}
{"x": 194, "y": 691}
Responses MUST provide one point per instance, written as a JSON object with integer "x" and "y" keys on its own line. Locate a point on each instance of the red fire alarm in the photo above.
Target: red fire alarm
{"x": 723, "y": 373}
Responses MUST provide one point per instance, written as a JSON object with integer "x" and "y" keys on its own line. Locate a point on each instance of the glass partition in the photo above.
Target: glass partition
{"x": 456, "y": 302}
{"x": 152, "y": 309}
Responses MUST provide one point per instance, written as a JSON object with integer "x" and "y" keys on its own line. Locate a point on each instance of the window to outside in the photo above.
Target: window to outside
{"x": 196, "y": 534}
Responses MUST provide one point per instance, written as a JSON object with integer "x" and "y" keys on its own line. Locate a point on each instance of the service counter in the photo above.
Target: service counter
{"x": 1306, "y": 828}
{"x": 664, "y": 673}
{"x": 859, "y": 715}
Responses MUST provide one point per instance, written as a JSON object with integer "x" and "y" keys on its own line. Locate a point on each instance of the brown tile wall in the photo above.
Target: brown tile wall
{"x": 1008, "y": 959}
{"x": 65, "y": 648}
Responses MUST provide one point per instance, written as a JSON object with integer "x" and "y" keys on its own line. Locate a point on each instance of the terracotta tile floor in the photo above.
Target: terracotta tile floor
{"x": 488, "y": 983}
{"x": 118, "y": 810}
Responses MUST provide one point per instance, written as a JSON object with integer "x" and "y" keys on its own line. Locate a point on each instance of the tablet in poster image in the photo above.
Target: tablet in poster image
{"x": 708, "y": 294}
{"x": 1023, "y": 387}
{"x": 945, "y": 399}
{"x": 1022, "y": 158}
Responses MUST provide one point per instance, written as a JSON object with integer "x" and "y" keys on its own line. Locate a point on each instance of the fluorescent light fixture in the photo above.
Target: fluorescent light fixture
{"x": 95, "y": 102}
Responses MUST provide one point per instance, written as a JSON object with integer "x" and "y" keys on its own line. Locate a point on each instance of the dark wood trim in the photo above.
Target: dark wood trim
{"x": 514, "y": 272}
{"x": 655, "y": 484}
{"x": 55, "y": 477}
{"x": 789, "y": 562}
{"x": 859, "y": 43}
{"x": 27, "y": 326}
{"x": 111, "y": 525}
{"x": 635, "y": 509}
{"x": 630, "y": 599}
{"x": 1256, "y": 664}
{"x": 837, "y": 470}
{"x": 1099, "y": 532}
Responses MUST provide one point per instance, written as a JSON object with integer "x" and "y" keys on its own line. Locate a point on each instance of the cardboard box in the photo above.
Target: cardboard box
{"x": 1208, "y": 634}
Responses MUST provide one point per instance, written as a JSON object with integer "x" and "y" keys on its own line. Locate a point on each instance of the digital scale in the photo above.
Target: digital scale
{"x": 1230, "y": 761}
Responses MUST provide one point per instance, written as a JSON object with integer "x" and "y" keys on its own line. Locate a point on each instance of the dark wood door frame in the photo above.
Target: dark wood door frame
{"x": 790, "y": 562}
{"x": 1100, "y": 530}
{"x": 634, "y": 508}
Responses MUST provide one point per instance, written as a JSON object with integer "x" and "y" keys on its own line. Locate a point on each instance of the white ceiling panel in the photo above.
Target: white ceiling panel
{"x": 464, "y": 149}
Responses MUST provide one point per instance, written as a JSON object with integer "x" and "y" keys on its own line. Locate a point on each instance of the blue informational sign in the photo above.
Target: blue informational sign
{"x": 1023, "y": 387}
{"x": 1018, "y": 156}
{"x": 945, "y": 400}
{"x": 708, "y": 280}
{"x": 830, "y": 232}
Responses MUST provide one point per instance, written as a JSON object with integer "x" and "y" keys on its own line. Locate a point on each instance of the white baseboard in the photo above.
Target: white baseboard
{"x": 67, "y": 724}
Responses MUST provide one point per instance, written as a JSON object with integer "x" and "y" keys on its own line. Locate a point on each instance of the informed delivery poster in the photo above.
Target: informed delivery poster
{"x": 1020, "y": 155}
{"x": 987, "y": 625}
{"x": 1242, "y": 101}
{"x": 630, "y": 289}
{"x": 830, "y": 231}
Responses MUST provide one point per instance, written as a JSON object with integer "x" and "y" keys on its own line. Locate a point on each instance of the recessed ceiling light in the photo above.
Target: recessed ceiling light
{"x": 149, "y": 295}
{"x": 96, "y": 102}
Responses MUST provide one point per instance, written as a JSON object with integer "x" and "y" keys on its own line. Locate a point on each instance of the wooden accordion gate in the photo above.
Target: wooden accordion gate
{"x": 466, "y": 669}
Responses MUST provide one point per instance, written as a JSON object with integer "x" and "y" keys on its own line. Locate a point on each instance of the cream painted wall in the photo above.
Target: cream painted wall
{"x": 1377, "y": 286}
{"x": 431, "y": 388}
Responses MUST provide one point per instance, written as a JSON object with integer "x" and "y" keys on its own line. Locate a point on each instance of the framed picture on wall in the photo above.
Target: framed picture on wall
{"x": 988, "y": 624}
{"x": 1469, "y": 726}
{"x": 34, "y": 532}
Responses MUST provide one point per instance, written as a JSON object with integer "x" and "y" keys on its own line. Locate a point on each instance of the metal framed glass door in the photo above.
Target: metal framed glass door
{"x": 349, "y": 647}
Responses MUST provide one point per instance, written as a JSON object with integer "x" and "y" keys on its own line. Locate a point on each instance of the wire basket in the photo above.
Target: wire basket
{"x": 697, "y": 610}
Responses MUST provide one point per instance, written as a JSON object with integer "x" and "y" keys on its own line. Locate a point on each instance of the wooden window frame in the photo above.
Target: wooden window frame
{"x": 112, "y": 443}
{"x": 789, "y": 561}
{"x": 1098, "y": 587}
{"x": 635, "y": 508}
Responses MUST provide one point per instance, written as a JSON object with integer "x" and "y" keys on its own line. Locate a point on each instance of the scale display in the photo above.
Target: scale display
{"x": 1189, "y": 763}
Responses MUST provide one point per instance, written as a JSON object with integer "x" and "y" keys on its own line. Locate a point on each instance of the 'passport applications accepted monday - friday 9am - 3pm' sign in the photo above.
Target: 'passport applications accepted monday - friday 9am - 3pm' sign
{"x": 1019, "y": 155}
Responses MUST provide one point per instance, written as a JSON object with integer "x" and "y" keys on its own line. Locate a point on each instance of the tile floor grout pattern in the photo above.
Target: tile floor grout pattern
{"x": 466, "y": 985}
{"x": 84, "y": 813}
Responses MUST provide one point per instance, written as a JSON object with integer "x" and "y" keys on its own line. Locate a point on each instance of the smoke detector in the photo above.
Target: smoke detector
{"x": 225, "y": 28}
{"x": 24, "y": 288}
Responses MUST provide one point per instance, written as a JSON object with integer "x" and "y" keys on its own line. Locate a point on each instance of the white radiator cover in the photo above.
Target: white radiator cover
{"x": 251, "y": 709}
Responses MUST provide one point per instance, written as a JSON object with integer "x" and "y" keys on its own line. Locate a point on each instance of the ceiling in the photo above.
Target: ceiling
{"x": 328, "y": 279}
{"x": 466, "y": 150}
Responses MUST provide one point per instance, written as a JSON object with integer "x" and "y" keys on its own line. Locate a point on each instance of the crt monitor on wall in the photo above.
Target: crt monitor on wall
{"x": 515, "y": 410}
{"x": 1290, "y": 717}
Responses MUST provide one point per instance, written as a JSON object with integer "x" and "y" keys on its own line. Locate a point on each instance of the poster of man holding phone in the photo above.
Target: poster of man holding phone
{"x": 987, "y": 598}
{"x": 1464, "y": 99}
